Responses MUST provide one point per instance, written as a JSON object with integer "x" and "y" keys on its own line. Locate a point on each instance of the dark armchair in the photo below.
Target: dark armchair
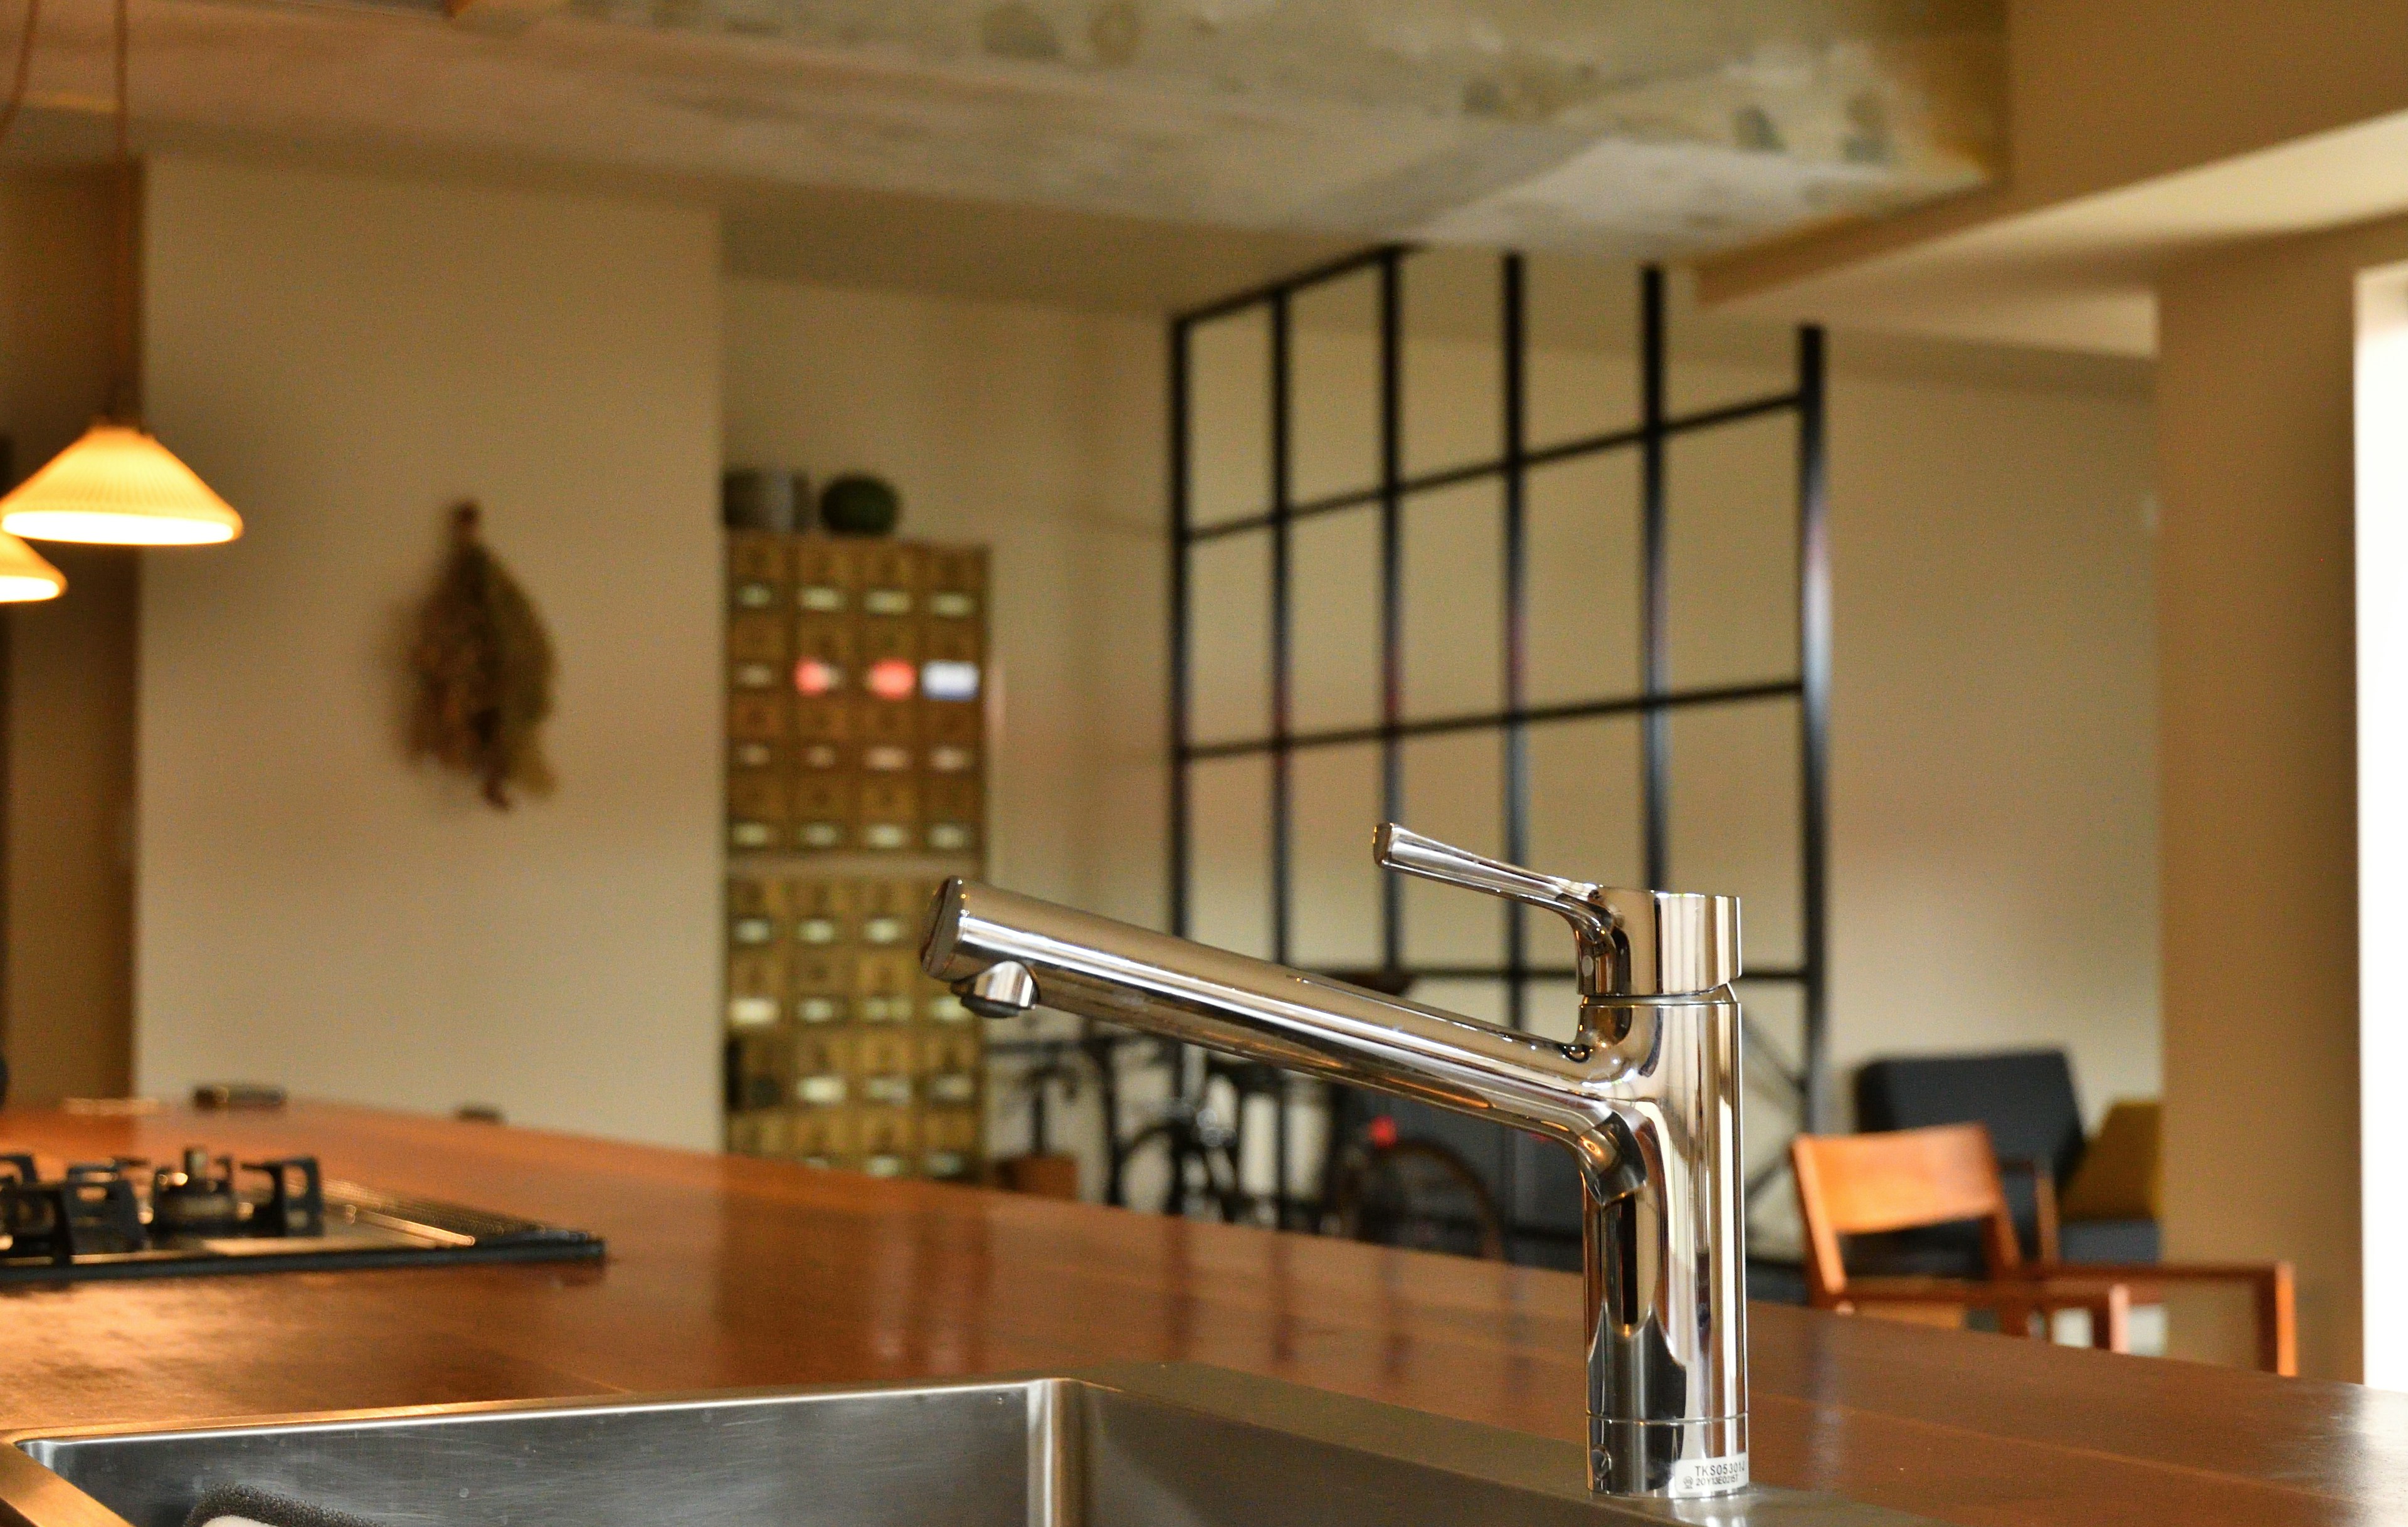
{"x": 2026, "y": 1099}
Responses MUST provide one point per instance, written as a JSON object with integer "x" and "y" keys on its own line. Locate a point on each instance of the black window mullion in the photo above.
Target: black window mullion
{"x": 1516, "y": 739}
{"x": 1814, "y": 719}
{"x": 1283, "y": 705}
{"x": 1181, "y": 738}
{"x": 1654, "y": 603}
{"x": 1392, "y": 619}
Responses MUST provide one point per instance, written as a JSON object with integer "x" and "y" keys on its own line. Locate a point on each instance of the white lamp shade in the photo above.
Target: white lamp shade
{"x": 25, "y": 575}
{"x": 117, "y": 486}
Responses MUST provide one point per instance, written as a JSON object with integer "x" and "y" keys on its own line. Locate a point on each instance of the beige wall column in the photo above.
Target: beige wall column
{"x": 2256, "y": 743}
{"x": 67, "y": 1023}
{"x": 344, "y": 357}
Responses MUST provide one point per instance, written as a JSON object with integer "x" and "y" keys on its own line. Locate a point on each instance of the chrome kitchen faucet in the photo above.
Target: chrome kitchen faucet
{"x": 1646, "y": 1094}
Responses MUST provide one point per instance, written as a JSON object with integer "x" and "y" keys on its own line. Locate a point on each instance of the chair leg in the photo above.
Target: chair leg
{"x": 2111, "y": 1320}
{"x": 2278, "y": 1339}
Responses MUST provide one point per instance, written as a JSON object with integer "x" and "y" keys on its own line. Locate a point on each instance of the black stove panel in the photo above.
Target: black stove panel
{"x": 208, "y": 1214}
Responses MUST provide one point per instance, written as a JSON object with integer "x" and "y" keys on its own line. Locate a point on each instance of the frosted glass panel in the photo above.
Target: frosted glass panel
{"x": 1481, "y": 1000}
{"x": 1583, "y": 366}
{"x": 1453, "y": 371}
{"x": 1229, "y": 835}
{"x": 1229, "y": 625}
{"x": 1581, "y": 525}
{"x": 1585, "y": 818}
{"x": 1731, "y": 511}
{"x": 1712, "y": 361}
{"x": 1734, "y": 818}
{"x": 1229, "y": 418}
{"x": 1334, "y": 388}
{"x": 1453, "y": 580}
{"x": 1454, "y": 790}
{"x": 1769, "y": 1111}
{"x": 1334, "y": 619}
{"x": 1334, "y": 885}
{"x": 1550, "y": 1007}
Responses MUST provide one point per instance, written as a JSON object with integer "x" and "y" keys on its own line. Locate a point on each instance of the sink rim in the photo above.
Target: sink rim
{"x": 1494, "y": 1455}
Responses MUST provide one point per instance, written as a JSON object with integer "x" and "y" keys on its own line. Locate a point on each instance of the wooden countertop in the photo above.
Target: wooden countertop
{"x": 727, "y": 1272}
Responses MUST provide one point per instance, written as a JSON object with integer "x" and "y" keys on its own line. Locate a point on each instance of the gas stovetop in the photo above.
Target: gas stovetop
{"x": 125, "y": 1217}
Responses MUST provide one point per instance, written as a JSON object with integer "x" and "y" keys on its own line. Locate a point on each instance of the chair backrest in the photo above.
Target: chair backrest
{"x": 1861, "y": 1184}
{"x": 2026, "y": 1098}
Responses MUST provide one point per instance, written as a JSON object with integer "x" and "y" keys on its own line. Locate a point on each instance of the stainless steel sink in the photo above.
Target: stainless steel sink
{"x": 1170, "y": 1445}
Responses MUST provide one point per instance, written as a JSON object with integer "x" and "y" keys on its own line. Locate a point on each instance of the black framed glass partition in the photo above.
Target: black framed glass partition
{"x": 1564, "y": 603}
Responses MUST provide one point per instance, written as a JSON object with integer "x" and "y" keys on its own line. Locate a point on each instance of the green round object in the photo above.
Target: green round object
{"x": 859, "y": 505}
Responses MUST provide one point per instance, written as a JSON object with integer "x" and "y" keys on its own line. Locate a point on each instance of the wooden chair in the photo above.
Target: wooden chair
{"x": 1903, "y": 1179}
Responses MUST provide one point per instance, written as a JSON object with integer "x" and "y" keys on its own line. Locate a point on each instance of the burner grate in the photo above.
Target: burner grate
{"x": 209, "y": 1214}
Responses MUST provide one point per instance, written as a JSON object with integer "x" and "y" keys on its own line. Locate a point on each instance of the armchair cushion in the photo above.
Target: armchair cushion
{"x": 2119, "y": 1177}
{"x": 2024, "y": 1097}
{"x": 2108, "y": 1241}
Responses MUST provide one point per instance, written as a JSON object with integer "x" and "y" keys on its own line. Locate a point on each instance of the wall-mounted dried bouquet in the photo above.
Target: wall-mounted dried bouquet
{"x": 484, "y": 668}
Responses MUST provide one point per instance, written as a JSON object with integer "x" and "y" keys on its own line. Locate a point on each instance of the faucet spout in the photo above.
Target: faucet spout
{"x": 1645, "y": 1096}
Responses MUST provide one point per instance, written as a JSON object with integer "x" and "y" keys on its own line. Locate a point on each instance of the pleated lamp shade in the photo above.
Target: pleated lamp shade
{"x": 117, "y": 486}
{"x": 25, "y": 575}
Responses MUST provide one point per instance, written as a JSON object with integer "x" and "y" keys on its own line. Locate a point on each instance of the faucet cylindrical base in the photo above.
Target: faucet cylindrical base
{"x": 1677, "y": 1460}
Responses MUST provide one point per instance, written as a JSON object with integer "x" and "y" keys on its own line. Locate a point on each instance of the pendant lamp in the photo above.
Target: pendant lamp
{"x": 25, "y": 575}
{"x": 117, "y": 486}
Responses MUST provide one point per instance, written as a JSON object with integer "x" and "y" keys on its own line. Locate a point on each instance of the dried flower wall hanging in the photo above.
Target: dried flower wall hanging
{"x": 485, "y": 670}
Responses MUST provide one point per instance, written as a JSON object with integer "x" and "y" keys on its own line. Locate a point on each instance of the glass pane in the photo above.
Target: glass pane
{"x": 1229, "y": 417}
{"x": 1481, "y": 1000}
{"x": 1453, "y": 791}
{"x": 1334, "y": 388}
{"x": 1453, "y": 579}
{"x": 1230, "y": 857}
{"x": 1334, "y": 619}
{"x": 1454, "y": 369}
{"x": 1731, "y": 552}
{"x": 1334, "y": 915}
{"x": 1583, "y": 355}
{"x": 1229, "y": 647}
{"x": 1734, "y": 818}
{"x": 1713, "y": 361}
{"x": 1581, "y": 523}
{"x": 1776, "y": 1043}
{"x": 1585, "y": 818}
{"x": 1771, "y": 1109}
{"x": 1550, "y": 1007}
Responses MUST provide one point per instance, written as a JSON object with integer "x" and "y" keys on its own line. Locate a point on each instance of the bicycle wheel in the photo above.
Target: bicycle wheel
{"x": 1201, "y": 1174}
{"x": 1418, "y": 1194}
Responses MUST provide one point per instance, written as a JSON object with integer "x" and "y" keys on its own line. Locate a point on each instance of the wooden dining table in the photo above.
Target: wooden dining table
{"x": 729, "y": 1272}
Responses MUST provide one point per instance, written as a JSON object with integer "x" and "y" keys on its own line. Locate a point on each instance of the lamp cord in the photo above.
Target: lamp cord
{"x": 24, "y": 69}
{"x": 125, "y": 390}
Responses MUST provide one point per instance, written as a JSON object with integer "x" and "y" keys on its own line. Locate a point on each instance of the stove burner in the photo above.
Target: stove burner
{"x": 125, "y": 1218}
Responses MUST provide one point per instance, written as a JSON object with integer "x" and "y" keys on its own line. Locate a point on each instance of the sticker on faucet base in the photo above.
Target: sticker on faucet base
{"x": 1707, "y": 1476}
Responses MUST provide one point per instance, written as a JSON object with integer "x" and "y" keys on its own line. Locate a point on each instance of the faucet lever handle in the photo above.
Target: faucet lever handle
{"x": 1409, "y": 853}
{"x": 1631, "y": 942}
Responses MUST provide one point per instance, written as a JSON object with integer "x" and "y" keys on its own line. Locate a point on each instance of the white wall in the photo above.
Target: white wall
{"x": 343, "y": 358}
{"x": 1994, "y": 724}
{"x": 1039, "y": 433}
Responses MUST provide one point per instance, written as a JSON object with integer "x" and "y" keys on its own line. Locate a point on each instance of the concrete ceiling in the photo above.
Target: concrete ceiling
{"x": 2081, "y": 274}
{"x": 1618, "y": 127}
